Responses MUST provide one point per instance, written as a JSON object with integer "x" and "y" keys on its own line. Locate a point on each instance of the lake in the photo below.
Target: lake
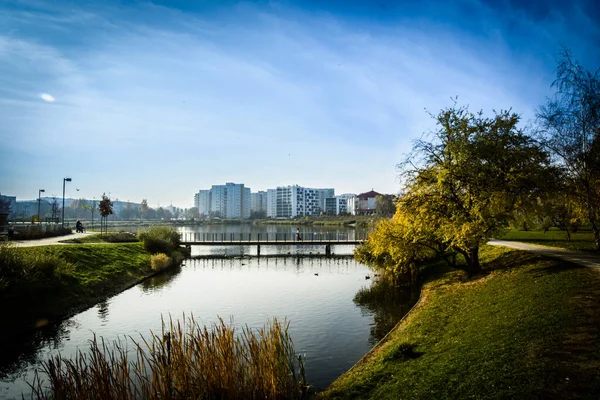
{"x": 316, "y": 295}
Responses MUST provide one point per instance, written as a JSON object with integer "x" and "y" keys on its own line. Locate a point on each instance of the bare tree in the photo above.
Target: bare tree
{"x": 570, "y": 122}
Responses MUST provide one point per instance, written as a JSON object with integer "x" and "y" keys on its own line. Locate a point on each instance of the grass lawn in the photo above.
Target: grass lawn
{"x": 528, "y": 330}
{"x": 93, "y": 272}
{"x": 582, "y": 240}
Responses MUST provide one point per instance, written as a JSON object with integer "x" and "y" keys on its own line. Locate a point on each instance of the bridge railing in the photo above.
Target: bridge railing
{"x": 284, "y": 237}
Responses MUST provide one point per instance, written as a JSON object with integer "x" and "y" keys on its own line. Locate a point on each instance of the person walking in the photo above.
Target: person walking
{"x": 298, "y": 236}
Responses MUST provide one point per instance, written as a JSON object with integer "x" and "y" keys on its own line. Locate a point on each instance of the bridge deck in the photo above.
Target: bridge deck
{"x": 271, "y": 239}
{"x": 268, "y": 243}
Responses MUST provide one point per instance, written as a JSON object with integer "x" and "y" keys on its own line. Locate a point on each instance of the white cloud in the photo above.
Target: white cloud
{"x": 47, "y": 97}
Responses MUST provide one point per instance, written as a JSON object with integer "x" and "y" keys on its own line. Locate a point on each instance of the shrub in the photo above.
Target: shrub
{"x": 160, "y": 261}
{"x": 160, "y": 239}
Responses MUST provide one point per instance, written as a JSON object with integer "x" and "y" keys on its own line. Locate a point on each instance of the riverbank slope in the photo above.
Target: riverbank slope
{"x": 528, "y": 329}
{"x": 89, "y": 274}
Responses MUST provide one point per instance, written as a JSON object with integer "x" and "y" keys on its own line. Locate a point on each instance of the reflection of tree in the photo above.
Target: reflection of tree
{"x": 160, "y": 280}
{"x": 103, "y": 310}
{"x": 387, "y": 302}
{"x": 24, "y": 349}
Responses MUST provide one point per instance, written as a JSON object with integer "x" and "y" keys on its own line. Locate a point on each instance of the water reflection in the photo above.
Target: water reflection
{"x": 315, "y": 295}
{"x": 387, "y": 303}
{"x": 22, "y": 350}
{"x": 160, "y": 280}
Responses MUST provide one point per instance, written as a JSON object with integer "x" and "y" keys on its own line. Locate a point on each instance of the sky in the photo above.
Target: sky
{"x": 157, "y": 100}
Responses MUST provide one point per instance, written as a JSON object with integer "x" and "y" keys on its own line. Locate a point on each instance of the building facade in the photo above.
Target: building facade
{"x": 271, "y": 203}
{"x": 336, "y": 205}
{"x": 297, "y": 201}
{"x": 363, "y": 204}
{"x": 258, "y": 202}
{"x": 231, "y": 200}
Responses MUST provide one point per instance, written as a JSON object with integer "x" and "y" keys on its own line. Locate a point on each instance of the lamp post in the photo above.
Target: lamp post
{"x": 39, "y": 201}
{"x": 63, "y": 207}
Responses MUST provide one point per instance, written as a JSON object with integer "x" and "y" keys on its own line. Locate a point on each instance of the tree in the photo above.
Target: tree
{"x": 463, "y": 187}
{"x": 105, "y": 208}
{"x": 144, "y": 208}
{"x": 384, "y": 205}
{"x": 570, "y": 125}
{"x": 91, "y": 208}
{"x": 192, "y": 213}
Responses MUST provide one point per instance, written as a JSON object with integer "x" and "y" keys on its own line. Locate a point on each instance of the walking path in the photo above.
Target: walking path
{"x": 577, "y": 257}
{"x": 48, "y": 241}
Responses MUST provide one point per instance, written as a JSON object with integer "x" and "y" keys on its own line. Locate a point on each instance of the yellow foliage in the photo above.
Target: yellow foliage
{"x": 160, "y": 261}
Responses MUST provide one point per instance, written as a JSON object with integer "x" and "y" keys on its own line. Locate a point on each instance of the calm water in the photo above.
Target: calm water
{"x": 327, "y": 325}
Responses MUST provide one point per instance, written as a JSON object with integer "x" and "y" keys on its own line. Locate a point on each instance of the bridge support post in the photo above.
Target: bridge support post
{"x": 328, "y": 249}
{"x": 258, "y": 250}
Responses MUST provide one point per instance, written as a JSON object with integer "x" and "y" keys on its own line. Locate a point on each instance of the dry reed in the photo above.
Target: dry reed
{"x": 187, "y": 361}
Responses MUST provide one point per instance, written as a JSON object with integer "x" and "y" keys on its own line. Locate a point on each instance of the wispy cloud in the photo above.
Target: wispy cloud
{"x": 262, "y": 95}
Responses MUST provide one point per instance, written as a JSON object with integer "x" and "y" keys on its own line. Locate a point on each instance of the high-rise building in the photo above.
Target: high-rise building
{"x": 258, "y": 202}
{"x": 231, "y": 200}
{"x": 297, "y": 201}
{"x": 218, "y": 201}
{"x": 203, "y": 202}
{"x": 272, "y": 203}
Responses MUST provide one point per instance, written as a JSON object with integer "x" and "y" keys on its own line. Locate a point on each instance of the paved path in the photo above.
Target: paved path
{"x": 577, "y": 257}
{"x": 48, "y": 241}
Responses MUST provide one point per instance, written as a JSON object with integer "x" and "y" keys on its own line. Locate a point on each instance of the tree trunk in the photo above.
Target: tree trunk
{"x": 472, "y": 259}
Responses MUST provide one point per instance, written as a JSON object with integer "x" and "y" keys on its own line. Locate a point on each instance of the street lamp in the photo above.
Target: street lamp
{"x": 39, "y": 200}
{"x": 63, "y": 208}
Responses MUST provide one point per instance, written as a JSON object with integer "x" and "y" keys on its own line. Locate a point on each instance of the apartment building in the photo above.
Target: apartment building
{"x": 231, "y": 200}
{"x": 258, "y": 201}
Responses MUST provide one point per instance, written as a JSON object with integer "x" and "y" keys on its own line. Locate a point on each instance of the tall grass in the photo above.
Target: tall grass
{"x": 186, "y": 361}
{"x": 20, "y": 267}
{"x": 160, "y": 239}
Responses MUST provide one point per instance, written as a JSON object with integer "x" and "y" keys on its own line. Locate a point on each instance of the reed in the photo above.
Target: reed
{"x": 186, "y": 361}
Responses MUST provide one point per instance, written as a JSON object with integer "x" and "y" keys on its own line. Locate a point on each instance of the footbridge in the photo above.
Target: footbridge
{"x": 328, "y": 239}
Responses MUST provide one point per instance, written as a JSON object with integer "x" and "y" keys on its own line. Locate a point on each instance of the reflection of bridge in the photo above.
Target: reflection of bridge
{"x": 273, "y": 239}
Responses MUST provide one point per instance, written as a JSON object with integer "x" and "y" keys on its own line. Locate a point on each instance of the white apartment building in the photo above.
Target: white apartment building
{"x": 297, "y": 201}
{"x": 258, "y": 201}
{"x": 272, "y": 203}
{"x": 218, "y": 201}
{"x": 337, "y": 205}
{"x": 231, "y": 200}
{"x": 202, "y": 201}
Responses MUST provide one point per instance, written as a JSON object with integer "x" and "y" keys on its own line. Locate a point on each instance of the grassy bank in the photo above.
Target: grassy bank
{"x": 528, "y": 329}
{"x": 65, "y": 279}
{"x": 581, "y": 240}
{"x": 45, "y": 283}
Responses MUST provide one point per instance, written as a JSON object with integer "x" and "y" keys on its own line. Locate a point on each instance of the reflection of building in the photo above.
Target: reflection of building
{"x": 363, "y": 204}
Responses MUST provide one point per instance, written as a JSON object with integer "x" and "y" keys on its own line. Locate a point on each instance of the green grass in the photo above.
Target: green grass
{"x": 110, "y": 237}
{"x": 529, "y": 329}
{"x": 582, "y": 240}
{"x": 77, "y": 276}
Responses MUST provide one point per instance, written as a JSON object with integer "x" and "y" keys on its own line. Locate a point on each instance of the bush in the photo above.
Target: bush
{"x": 160, "y": 239}
{"x": 160, "y": 261}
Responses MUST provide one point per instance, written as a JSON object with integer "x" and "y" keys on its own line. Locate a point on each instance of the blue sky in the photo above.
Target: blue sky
{"x": 160, "y": 99}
